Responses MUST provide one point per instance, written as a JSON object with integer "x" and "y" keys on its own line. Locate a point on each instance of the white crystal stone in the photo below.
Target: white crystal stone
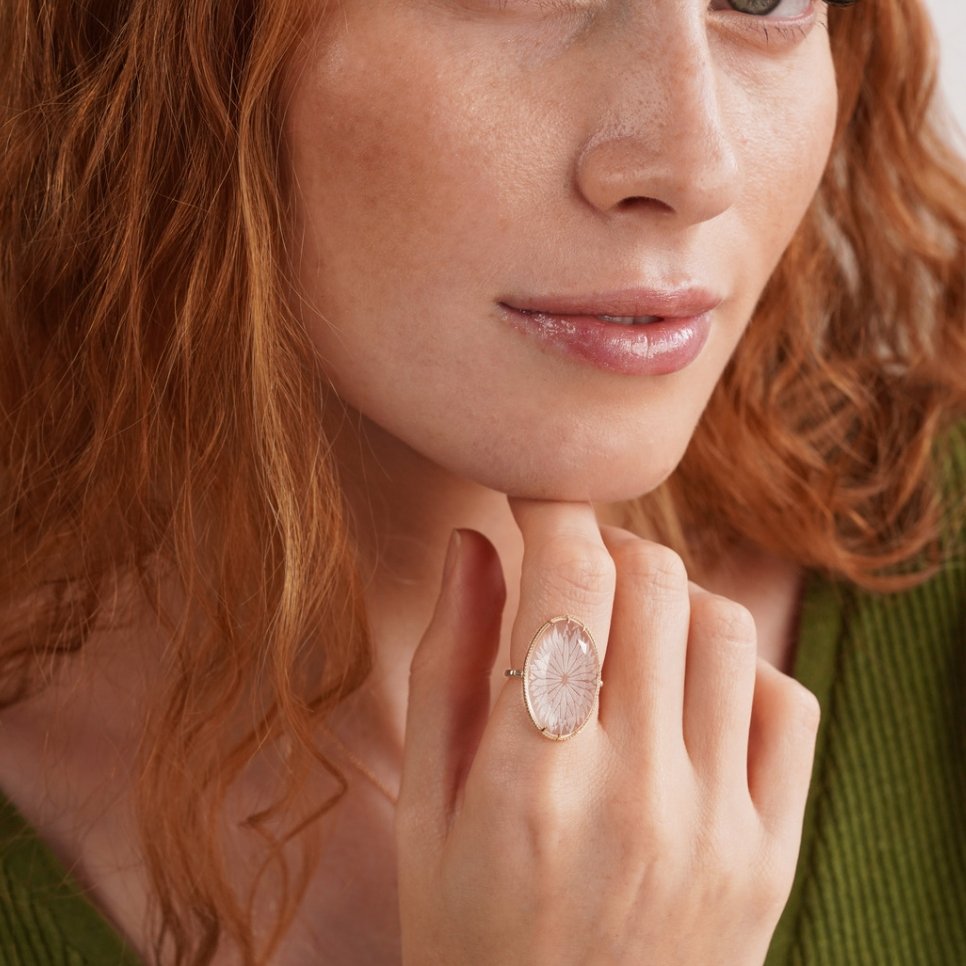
{"x": 560, "y": 677}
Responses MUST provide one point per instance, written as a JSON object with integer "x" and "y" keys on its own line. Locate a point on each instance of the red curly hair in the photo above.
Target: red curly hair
{"x": 155, "y": 391}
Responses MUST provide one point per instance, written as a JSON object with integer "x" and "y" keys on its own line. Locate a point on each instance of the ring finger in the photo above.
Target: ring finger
{"x": 566, "y": 570}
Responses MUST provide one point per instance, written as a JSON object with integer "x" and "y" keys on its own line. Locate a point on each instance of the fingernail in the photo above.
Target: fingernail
{"x": 452, "y": 555}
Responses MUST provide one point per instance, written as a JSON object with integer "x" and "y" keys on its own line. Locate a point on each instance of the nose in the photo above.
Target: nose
{"x": 663, "y": 143}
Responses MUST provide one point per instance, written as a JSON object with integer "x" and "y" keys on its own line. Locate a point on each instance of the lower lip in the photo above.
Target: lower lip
{"x": 648, "y": 349}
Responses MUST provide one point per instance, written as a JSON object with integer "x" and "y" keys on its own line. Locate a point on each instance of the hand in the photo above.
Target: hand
{"x": 665, "y": 833}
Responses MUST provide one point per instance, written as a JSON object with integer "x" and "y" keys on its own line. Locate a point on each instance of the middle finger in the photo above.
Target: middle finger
{"x": 643, "y": 703}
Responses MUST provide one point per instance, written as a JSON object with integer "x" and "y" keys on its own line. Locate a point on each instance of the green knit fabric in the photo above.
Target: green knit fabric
{"x": 45, "y": 920}
{"x": 881, "y": 876}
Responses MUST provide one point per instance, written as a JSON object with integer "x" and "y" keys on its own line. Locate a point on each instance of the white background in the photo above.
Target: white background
{"x": 949, "y": 17}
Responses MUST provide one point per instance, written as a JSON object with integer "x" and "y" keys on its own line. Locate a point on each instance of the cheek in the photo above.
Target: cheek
{"x": 361, "y": 175}
{"x": 384, "y": 158}
{"x": 788, "y": 134}
{"x": 406, "y": 176}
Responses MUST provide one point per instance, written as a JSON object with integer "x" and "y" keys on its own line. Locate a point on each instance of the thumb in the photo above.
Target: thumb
{"x": 449, "y": 681}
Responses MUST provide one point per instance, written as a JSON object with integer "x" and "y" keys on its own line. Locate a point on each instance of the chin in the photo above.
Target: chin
{"x": 595, "y": 491}
{"x": 597, "y": 479}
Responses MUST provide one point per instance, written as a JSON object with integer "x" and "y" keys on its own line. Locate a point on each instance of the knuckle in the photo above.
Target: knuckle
{"x": 725, "y": 620}
{"x": 579, "y": 568}
{"x": 652, "y": 563}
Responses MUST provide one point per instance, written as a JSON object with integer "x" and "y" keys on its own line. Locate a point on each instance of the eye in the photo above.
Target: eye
{"x": 762, "y": 8}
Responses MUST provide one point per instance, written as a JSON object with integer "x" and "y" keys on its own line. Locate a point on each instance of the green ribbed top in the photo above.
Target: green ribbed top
{"x": 881, "y": 876}
{"x": 45, "y": 920}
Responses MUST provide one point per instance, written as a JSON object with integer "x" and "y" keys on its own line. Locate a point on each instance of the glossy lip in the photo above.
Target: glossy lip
{"x": 665, "y": 303}
{"x": 568, "y": 325}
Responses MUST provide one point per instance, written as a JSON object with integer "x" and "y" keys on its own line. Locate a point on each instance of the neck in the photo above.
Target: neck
{"x": 403, "y": 508}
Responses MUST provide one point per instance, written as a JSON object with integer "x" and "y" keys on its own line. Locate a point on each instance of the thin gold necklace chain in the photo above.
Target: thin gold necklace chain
{"x": 361, "y": 766}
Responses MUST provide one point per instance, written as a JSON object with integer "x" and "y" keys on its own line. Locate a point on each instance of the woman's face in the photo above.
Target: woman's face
{"x": 458, "y": 160}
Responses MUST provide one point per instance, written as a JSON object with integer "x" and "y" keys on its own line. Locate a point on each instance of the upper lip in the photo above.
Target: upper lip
{"x": 661, "y": 303}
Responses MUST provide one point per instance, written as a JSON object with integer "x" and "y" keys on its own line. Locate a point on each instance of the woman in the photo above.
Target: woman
{"x": 660, "y": 304}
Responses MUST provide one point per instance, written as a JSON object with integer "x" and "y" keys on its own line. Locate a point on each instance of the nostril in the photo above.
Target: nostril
{"x": 642, "y": 202}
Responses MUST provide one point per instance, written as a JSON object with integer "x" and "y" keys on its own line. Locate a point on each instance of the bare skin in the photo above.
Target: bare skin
{"x": 63, "y": 756}
{"x": 496, "y": 149}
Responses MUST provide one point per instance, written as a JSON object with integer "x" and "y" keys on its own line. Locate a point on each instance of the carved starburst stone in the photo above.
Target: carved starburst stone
{"x": 561, "y": 677}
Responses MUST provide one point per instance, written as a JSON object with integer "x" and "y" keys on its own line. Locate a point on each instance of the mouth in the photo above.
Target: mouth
{"x": 629, "y": 319}
{"x": 616, "y": 319}
{"x": 637, "y": 306}
{"x": 635, "y": 332}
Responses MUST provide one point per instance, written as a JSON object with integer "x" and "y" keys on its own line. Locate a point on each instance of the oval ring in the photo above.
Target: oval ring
{"x": 561, "y": 677}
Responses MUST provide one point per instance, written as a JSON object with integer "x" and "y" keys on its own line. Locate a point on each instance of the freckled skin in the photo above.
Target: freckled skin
{"x": 449, "y": 154}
